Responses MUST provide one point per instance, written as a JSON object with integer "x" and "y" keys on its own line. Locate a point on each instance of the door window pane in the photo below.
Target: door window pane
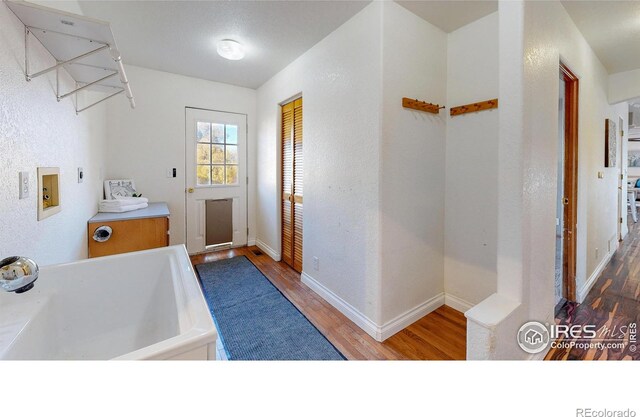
{"x": 204, "y": 154}
{"x": 203, "y": 131}
{"x": 232, "y": 154}
{"x": 217, "y": 133}
{"x": 232, "y": 134}
{"x": 217, "y": 154}
{"x": 232, "y": 174}
{"x": 204, "y": 172}
{"x": 217, "y": 174}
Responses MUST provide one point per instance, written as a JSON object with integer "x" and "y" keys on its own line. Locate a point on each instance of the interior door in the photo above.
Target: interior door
{"x": 292, "y": 187}
{"x": 570, "y": 186}
{"x": 216, "y": 169}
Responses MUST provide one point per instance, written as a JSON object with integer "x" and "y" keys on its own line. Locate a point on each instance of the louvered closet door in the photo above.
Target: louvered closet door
{"x": 292, "y": 172}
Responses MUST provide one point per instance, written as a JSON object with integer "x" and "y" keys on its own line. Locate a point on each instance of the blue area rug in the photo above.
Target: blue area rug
{"x": 254, "y": 320}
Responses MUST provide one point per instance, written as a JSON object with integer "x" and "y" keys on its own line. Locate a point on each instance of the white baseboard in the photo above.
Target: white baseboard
{"x": 379, "y": 333}
{"x": 457, "y": 303}
{"x": 268, "y": 250}
{"x": 582, "y": 294}
{"x": 345, "y": 308}
{"x": 409, "y": 317}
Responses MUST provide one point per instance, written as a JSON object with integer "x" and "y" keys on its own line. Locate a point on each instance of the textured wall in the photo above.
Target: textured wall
{"x": 472, "y": 163}
{"x": 551, "y": 36}
{"x": 529, "y": 84}
{"x": 143, "y": 143}
{"x": 36, "y": 130}
{"x": 340, "y": 79}
{"x": 412, "y": 186}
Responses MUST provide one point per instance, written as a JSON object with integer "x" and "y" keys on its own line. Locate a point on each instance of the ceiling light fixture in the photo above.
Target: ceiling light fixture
{"x": 230, "y": 49}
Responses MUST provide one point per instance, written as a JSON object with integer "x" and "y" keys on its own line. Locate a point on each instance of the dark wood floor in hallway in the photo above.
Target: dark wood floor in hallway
{"x": 613, "y": 303}
{"x": 440, "y": 335}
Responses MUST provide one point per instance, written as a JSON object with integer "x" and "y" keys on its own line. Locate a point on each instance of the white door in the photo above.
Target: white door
{"x": 216, "y": 169}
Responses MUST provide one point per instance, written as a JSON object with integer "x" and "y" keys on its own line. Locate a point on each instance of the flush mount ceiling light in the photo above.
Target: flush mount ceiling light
{"x": 230, "y": 49}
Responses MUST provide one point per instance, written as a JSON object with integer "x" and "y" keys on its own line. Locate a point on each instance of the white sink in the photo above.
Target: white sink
{"x": 141, "y": 305}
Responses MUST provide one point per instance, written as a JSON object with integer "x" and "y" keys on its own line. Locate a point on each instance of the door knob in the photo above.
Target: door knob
{"x": 190, "y": 190}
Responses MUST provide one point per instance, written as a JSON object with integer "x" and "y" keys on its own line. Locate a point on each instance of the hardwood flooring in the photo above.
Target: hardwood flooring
{"x": 612, "y": 303}
{"x": 440, "y": 335}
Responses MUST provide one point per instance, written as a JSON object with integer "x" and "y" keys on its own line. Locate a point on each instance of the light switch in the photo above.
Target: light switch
{"x": 80, "y": 175}
{"x": 24, "y": 184}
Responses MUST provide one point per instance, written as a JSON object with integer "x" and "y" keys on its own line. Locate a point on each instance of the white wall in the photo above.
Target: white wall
{"x": 624, "y": 86}
{"x": 551, "y": 36}
{"x": 472, "y": 164}
{"x": 412, "y": 186}
{"x": 143, "y": 143}
{"x": 36, "y": 130}
{"x": 548, "y": 36}
{"x": 340, "y": 81}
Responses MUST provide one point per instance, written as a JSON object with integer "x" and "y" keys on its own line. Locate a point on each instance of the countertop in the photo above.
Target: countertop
{"x": 154, "y": 210}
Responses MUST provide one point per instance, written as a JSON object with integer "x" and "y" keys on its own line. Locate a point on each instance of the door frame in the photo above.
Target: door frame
{"x": 184, "y": 170}
{"x": 622, "y": 182}
{"x": 570, "y": 212}
{"x": 279, "y": 168}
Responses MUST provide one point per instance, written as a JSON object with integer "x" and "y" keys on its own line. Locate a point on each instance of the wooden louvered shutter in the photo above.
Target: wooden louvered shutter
{"x": 292, "y": 172}
{"x": 298, "y": 169}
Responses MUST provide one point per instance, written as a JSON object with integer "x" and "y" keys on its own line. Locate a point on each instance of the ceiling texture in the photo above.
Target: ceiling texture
{"x": 180, "y": 36}
{"x": 450, "y": 15}
{"x": 612, "y": 28}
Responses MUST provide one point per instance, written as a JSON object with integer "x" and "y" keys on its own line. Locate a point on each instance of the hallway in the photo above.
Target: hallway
{"x": 614, "y": 301}
{"x": 440, "y": 335}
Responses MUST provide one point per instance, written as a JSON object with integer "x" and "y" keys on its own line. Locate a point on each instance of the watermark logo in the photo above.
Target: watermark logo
{"x": 533, "y": 337}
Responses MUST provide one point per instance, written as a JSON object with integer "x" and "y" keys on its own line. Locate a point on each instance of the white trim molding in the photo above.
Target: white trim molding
{"x": 345, "y": 308}
{"x": 251, "y": 241}
{"x": 379, "y": 333}
{"x": 409, "y": 317}
{"x": 457, "y": 303}
{"x": 268, "y": 250}
{"x": 582, "y": 294}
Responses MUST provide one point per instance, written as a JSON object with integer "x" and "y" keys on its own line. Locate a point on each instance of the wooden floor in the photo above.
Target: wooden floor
{"x": 613, "y": 301}
{"x": 440, "y": 335}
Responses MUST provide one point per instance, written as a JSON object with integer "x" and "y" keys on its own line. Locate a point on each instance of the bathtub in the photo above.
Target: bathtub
{"x": 141, "y": 305}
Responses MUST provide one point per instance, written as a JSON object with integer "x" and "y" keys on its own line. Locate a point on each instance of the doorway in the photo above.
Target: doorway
{"x": 292, "y": 186}
{"x": 622, "y": 185}
{"x": 215, "y": 180}
{"x": 567, "y": 186}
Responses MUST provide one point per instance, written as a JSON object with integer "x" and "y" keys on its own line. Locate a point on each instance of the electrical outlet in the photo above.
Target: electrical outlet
{"x": 24, "y": 184}
{"x": 80, "y": 175}
{"x": 316, "y": 263}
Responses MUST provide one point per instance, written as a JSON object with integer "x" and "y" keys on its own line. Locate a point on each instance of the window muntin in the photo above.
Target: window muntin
{"x": 216, "y": 154}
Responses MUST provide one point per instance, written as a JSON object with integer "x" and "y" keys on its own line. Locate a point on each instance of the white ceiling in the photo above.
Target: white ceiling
{"x": 450, "y": 15}
{"x": 612, "y": 28}
{"x": 180, "y": 36}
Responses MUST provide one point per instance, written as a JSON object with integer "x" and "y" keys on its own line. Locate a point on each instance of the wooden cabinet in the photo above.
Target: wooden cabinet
{"x": 130, "y": 231}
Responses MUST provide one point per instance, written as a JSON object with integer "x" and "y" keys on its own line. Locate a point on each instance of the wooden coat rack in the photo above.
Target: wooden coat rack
{"x": 410, "y": 103}
{"x": 473, "y": 107}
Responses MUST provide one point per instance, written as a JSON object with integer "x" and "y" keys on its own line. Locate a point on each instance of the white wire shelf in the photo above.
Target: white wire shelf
{"x": 83, "y": 47}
